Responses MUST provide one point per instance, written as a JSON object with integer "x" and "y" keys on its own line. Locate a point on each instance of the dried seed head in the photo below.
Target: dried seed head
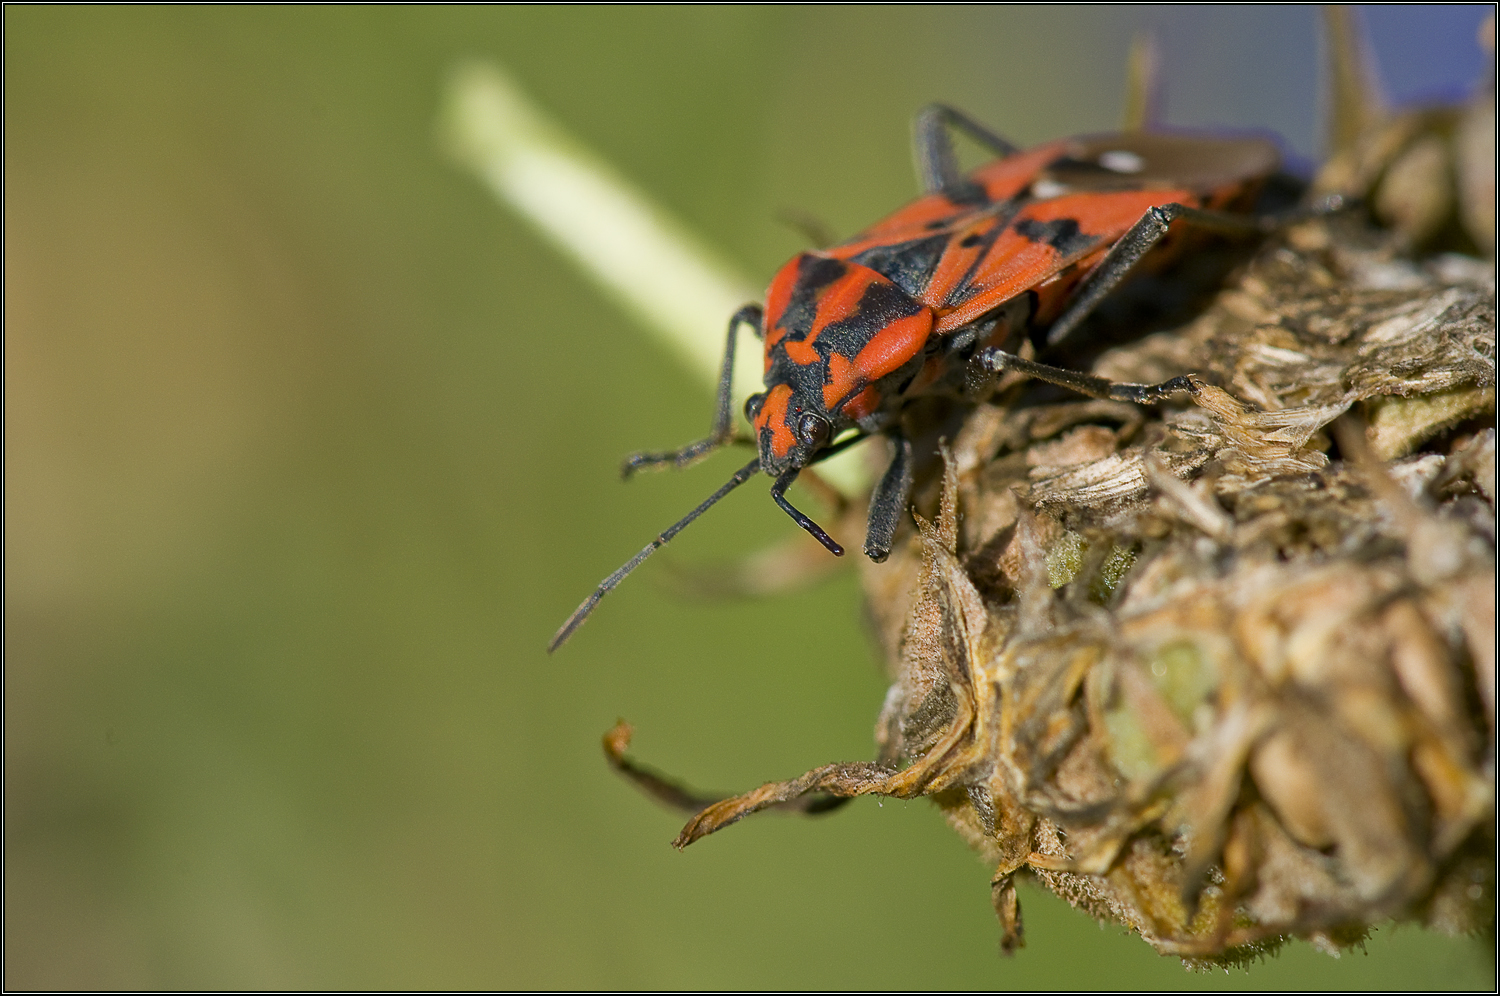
{"x": 1230, "y": 688}
{"x": 1273, "y": 714}
{"x": 1224, "y": 672}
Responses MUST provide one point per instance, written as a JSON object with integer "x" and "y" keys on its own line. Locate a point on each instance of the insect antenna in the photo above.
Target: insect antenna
{"x": 740, "y": 477}
{"x": 778, "y": 495}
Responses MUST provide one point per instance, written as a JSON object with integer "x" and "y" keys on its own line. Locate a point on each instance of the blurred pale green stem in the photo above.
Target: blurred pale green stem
{"x": 673, "y": 284}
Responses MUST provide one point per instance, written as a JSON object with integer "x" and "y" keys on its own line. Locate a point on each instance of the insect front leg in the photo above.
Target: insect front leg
{"x": 723, "y": 427}
{"x": 932, "y": 147}
{"x": 889, "y": 500}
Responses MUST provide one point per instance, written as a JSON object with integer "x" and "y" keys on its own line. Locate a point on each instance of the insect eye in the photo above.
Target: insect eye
{"x": 752, "y": 406}
{"x": 814, "y": 429}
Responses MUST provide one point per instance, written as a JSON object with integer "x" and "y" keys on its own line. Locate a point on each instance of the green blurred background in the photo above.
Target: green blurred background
{"x": 310, "y": 446}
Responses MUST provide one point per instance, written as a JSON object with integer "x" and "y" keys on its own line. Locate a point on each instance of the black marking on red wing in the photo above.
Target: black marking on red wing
{"x": 963, "y": 290}
{"x": 1062, "y": 234}
{"x": 931, "y": 213}
{"x": 817, "y": 272}
{"x": 813, "y": 274}
{"x": 879, "y": 306}
{"x": 965, "y": 196}
{"x": 908, "y": 265}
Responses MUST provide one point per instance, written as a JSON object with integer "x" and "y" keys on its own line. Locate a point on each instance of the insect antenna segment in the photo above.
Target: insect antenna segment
{"x": 582, "y": 612}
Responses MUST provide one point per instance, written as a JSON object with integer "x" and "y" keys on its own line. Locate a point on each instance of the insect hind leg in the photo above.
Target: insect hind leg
{"x": 997, "y": 361}
{"x": 932, "y": 147}
{"x": 1117, "y": 263}
{"x": 722, "y": 431}
{"x": 1151, "y": 229}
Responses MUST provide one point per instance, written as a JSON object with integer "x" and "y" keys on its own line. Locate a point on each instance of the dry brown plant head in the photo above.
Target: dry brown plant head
{"x": 1224, "y": 671}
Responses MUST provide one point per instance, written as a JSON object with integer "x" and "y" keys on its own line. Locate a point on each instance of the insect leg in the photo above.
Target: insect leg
{"x": 889, "y": 500}
{"x": 932, "y": 146}
{"x": 778, "y": 495}
{"x": 998, "y": 361}
{"x": 723, "y": 427}
{"x": 1117, "y": 263}
{"x": 1147, "y": 232}
{"x": 1134, "y": 244}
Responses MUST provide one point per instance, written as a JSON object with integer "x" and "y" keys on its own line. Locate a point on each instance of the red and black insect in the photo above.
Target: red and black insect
{"x": 933, "y": 298}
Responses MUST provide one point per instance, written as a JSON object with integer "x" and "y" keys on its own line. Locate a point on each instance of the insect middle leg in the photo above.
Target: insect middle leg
{"x": 722, "y": 430}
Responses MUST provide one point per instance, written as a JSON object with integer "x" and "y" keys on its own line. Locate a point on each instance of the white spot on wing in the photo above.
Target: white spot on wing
{"x": 1043, "y": 189}
{"x": 1120, "y": 161}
